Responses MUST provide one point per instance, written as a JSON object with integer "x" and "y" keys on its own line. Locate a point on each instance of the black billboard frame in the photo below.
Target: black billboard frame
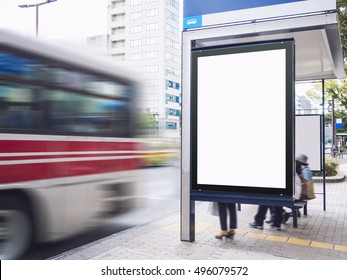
{"x": 204, "y": 189}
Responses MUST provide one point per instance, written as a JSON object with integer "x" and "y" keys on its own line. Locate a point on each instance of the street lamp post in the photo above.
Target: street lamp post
{"x": 37, "y": 5}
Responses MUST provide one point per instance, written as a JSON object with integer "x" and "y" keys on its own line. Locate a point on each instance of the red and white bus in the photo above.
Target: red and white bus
{"x": 68, "y": 152}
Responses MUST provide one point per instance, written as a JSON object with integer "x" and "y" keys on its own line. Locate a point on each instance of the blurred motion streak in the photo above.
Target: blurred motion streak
{"x": 69, "y": 158}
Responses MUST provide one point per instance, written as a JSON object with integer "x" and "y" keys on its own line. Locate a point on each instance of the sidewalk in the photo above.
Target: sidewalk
{"x": 321, "y": 235}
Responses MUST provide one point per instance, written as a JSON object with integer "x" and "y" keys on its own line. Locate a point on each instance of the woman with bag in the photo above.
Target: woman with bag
{"x": 307, "y": 191}
{"x": 221, "y": 209}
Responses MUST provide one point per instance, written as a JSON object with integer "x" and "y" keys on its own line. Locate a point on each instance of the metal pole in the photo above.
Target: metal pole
{"x": 37, "y": 20}
{"x": 323, "y": 112}
{"x": 37, "y": 12}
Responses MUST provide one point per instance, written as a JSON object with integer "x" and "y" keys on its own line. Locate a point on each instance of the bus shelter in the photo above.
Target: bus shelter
{"x": 239, "y": 77}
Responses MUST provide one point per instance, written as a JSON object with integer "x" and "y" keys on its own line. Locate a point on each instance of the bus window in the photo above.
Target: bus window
{"x": 75, "y": 113}
{"x": 19, "y": 108}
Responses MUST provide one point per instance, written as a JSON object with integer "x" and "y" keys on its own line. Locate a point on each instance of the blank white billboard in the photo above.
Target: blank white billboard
{"x": 308, "y": 139}
{"x": 241, "y": 119}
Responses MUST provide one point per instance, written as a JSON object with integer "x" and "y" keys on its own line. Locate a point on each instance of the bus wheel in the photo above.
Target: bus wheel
{"x": 15, "y": 228}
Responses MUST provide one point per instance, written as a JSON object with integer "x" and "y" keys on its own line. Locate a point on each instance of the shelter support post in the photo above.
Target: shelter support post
{"x": 323, "y": 148}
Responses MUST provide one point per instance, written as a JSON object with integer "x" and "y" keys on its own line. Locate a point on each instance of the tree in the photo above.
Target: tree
{"x": 337, "y": 89}
{"x": 334, "y": 90}
{"x": 147, "y": 124}
{"x": 342, "y": 11}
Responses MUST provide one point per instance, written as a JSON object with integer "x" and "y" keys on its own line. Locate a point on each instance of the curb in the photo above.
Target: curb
{"x": 340, "y": 177}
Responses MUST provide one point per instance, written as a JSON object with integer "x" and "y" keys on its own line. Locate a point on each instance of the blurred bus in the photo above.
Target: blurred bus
{"x": 158, "y": 152}
{"x": 68, "y": 156}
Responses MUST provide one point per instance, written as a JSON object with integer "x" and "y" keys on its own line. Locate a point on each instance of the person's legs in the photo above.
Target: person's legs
{"x": 222, "y": 208}
{"x": 259, "y": 217}
{"x": 272, "y": 213}
{"x": 222, "y": 216}
{"x": 278, "y": 218}
{"x": 232, "y": 216}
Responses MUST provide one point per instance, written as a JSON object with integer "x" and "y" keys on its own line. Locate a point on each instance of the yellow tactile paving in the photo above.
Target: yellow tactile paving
{"x": 298, "y": 241}
{"x": 241, "y": 232}
{"x": 201, "y": 226}
{"x": 277, "y": 238}
{"x": 322, "y": 245}
{"x": 341, "y": 248}
{"x": 256, "y": 235}
{"x": 172, "y": 227}
{"x": 208, "y": 227}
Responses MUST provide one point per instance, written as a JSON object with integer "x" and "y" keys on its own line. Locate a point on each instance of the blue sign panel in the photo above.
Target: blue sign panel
{"x": 196, "y": 7}
{"x": 191, "y": 22}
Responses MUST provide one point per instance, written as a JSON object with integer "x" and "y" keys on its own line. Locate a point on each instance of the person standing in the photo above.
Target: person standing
{"x": 223, "y": 209}
{"x": 261, "y": 214}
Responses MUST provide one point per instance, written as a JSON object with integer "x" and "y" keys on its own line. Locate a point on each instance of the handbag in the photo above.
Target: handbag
{"x": 213, "y": 208}
{"x": 307, "y": 191}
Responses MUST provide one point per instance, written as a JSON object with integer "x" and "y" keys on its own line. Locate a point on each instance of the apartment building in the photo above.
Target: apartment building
{"x": 146, "y": 34}
{"x": 98, "y": 43}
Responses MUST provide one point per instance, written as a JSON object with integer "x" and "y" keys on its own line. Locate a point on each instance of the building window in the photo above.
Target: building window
{"x": 171, "y": 57}
{"x": 172, "y": 71}
{"x": 172, "y": 84}
{"x": 152, "y": 26}
{"x": 135, "y": 2}
{"x": 172, "y": 112}
{"x": 136, "y": 29}
{"x": 152, "y": 55}
{"x": 172, "y": 43}
{"x": 172, "y": 98}
{"x": 135, "y": 16}
{"x": 118, "y": 44}
{"x": 152, "y": 110}
{"x": 118, "y": 3}
{"x": 152, "y": 12}
{"x": 135, "y": 43}
{"x": 172, "y": 30}
{"x": 119, "y": 56}
{"x": 135, "y": 56}
{"x": 173, "y": 3}
{"x": 149, "y": 97}
{"x": 152, "y": 40}
{"x": 118, "y": 17}
{"x": 152, "y": 83}
{"x": 152, "y": 68}
{"x": 118, "y": 30}
{"x": 172, "y": 16}
{"x": 171, "y": 125}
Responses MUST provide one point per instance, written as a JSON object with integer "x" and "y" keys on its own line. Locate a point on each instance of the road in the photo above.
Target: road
{"x": 158, "y": 194}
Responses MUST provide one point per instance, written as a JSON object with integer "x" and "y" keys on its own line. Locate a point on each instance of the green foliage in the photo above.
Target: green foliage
{"x": 331, "y": 166}
{"x": 334, "y": 89}
{"x": 342, "y": 11}
{"x": 147, "y": 124}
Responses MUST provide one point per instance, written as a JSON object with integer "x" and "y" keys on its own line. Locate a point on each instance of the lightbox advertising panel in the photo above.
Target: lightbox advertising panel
{"x": 213, "y": 12}
{"x": 242, "y": 118}
{"x": 309, "y": 138}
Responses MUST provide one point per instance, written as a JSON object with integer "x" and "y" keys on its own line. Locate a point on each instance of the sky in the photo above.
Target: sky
{"x": 68, "y": 20}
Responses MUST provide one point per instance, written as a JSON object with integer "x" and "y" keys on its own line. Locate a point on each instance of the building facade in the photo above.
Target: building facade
{"x": 99, "y": 43}
{"x": 146, "y": 34}
{"x": 304, "y": 106}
